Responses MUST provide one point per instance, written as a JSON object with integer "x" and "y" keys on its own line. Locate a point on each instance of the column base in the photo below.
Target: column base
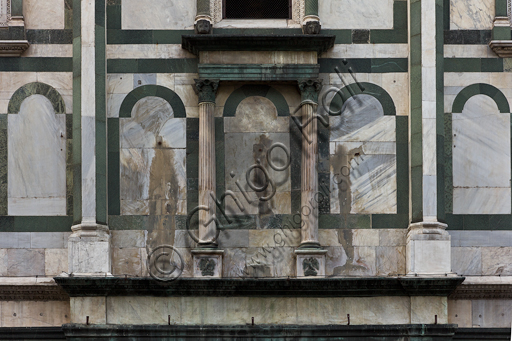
{"x": 310, "y": 262}
{"x": 89, "y": 250}
{"x": 428, "y": 250}
{"x": 207, "y": 263}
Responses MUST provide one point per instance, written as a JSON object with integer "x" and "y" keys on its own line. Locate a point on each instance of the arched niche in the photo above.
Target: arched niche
{"x": 36, "y": 152}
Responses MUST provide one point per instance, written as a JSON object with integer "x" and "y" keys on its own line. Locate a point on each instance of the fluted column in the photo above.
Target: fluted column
{"x": 207, "y": 254}
{"x": 310, "y": 255}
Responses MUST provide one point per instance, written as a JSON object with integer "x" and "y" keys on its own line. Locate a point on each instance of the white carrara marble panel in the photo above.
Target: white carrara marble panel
{"x": 47, "y": 14}
{"x": 471, "y": 14}
{"x": 481, "y": 158}
{"x": 157, "y": 14}
{"x": 152, "y": 157}
{"x": 347, "y": 14}
{"x": 37, "y": 159}
{"x": 363, "y": 158}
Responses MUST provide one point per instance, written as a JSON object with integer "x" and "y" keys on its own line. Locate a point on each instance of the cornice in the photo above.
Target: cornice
{"x": 13, "y": 48}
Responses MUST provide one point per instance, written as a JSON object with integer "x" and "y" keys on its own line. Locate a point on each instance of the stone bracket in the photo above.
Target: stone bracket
{"x": 13, "y": 48}
{"x": 502, "y": 48}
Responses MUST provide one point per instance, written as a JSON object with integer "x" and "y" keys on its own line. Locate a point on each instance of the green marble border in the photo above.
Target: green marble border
{"x": 382, "y": 221}
{"x": 365, "y": 65}
{"x": 473, "y": 65}
{"x": 77, "y": 113}
{"x": 396, "y": 35}
{"x": 36, "y": 88}
{"x": 35, "y": 223}
{"x": 114, "y": 184}
{"x": 440, "y": 134}
{"x": 470, "y": 221}
{"x": 3, "y": 165}
{"x": 480, "y": 89}
{"x": 36, "y": 64}
{"x": 100, "y": 40}
{"x": 245, "y": 91}
{"x": 152, "y": 90}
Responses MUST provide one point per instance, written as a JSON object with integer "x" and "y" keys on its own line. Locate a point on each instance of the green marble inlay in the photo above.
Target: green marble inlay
{"x": 77, "y": 113}
{"x": 152, "y": 90}
{"x": 3, "y": 164}
{"x": 245, "y": 91}
{"x": 311, "y": 7}
{"x": 484, "y": 89}
{"x": 369, "y": 89}
{"x": 36, "y": 88}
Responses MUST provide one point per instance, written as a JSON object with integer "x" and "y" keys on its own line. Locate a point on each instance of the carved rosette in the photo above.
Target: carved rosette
{"x": 206, "y": 90}
{"x": 309, "y": 89}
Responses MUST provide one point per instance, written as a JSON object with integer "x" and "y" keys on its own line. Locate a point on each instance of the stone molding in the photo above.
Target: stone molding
{"x": 13, "y": 48}
{"x": 502, "y": 48}
{"x": 292, "y": 287}
{"x": 482, "y": 292}
{"x": 31, "y": 289}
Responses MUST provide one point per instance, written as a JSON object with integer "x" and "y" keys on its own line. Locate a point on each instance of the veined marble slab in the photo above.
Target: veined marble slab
{"x": 47, "y": 14}
{"x": 478, "y": 200}
{"x": 157, "y": 51}
{"x": 481, "y": 145}
{"x": 37, "y": 158}
{"x": 49, "y": 50}
{"x": 242, "y": 150}
{"x": 153, "y": 181}
{"x": 157, "y": 14}
{"x": 256, "y": 114}
{"x": 468, "y": 51}
{"x": 367, "y": 51}
{"x": 471, "y": 14}
{"x": 152, "y": 125}
{"x": 350, "y": 14}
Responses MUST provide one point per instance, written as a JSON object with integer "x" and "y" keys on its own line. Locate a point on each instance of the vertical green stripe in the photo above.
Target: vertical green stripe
{"x": 16, "y": 8}
{"x": 77, "y": 114}
{"x": 416, "y": 138}
{"x": 501, "y": 8}
{"x": 203, "y": 7}
{"x": 440, "y": 109}
{"x": 3, "y": 164}
{"x": 114, "y": 201}
{"x": 311, "y": 7}
{"x": 101, "y": 113}
{"x": 448, "y": 162}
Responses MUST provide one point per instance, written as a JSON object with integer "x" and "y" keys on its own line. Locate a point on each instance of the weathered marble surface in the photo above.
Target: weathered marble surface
{"x": 56, "y": 261}
{"x": 158, "y": 51}
{"x": 94, "y": 307}
{"x": 47, "y": 14}
{"x": 424, "y": 309}
{"x": 481, "y": 161}
{"x": 363, "y": 158}
{"x": 34, "y": 313}
{"x": 256, "y": 114}
{"x": 242, "y": 151}
{"x": 153, "y": 155}
{"x": 127, "y": 261}
{"x": 350, "y": 14}
{"x": 157, "y": 15}
{"x": 37, "y": 159}
{"x": 471, "y": 14}
{"x": 496, "y": 261}
{"x": 459, "y": 312}
{"x": 491, "y": 313}
{"x": 476, "y": 238}
{"x": 467, "y": 261}
{"x": 25, "y": 262}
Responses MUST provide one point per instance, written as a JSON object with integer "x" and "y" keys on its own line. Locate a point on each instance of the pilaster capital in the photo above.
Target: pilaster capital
{"x": 206, "y": 89}
{"x": 309, "y": 89}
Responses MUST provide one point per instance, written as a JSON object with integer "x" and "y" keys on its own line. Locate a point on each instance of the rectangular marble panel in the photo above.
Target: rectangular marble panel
{"x": 480, "y": 238}
{"x": 425, "y": 308}
{"x": 119, "y": 83}
{"x": 471, "y": 14}
{"x": 56, "y": 261}
{"x": 390, "y": 261}
{"x": 351, "y": 14}
{"x": 47, "y": 14}
{"x": 34, "y": 314}
{"x": 94, "y": 307}
{"x": 126, "y": 261}
{"x": 481, "y": 200}
{"x": 128, "y": 238}
{"x": 157, "y": 15}
{"x": 36, "y": 206}
{"x": 459, "y": 312}
{"x": 143, "y": 310}
{"x": 49, "y": 50}
{"x": 147, "y": 51}
{"x": 49, "y": 240}
{"x": 15, "y": 240}
{"x": 492, "y": 313}
{"x": 496, "y": 261}
{"x": 25, "y": 262}
{"x": 467, "y": 261}
{"x": 379, "y": 130}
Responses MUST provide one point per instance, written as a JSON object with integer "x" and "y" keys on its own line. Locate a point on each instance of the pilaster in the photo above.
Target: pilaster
{"x": 89, "y": 244}
{"x": 428, "y": 244}
{"x": 501, "y": 42}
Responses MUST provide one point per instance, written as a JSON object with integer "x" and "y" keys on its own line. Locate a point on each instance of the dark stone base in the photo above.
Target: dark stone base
{"x": 79, "y": 332}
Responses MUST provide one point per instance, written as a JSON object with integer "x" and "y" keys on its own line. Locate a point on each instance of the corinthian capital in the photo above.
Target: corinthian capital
{"x": 309, "y": 89}
{"x": 206, "y": 89}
